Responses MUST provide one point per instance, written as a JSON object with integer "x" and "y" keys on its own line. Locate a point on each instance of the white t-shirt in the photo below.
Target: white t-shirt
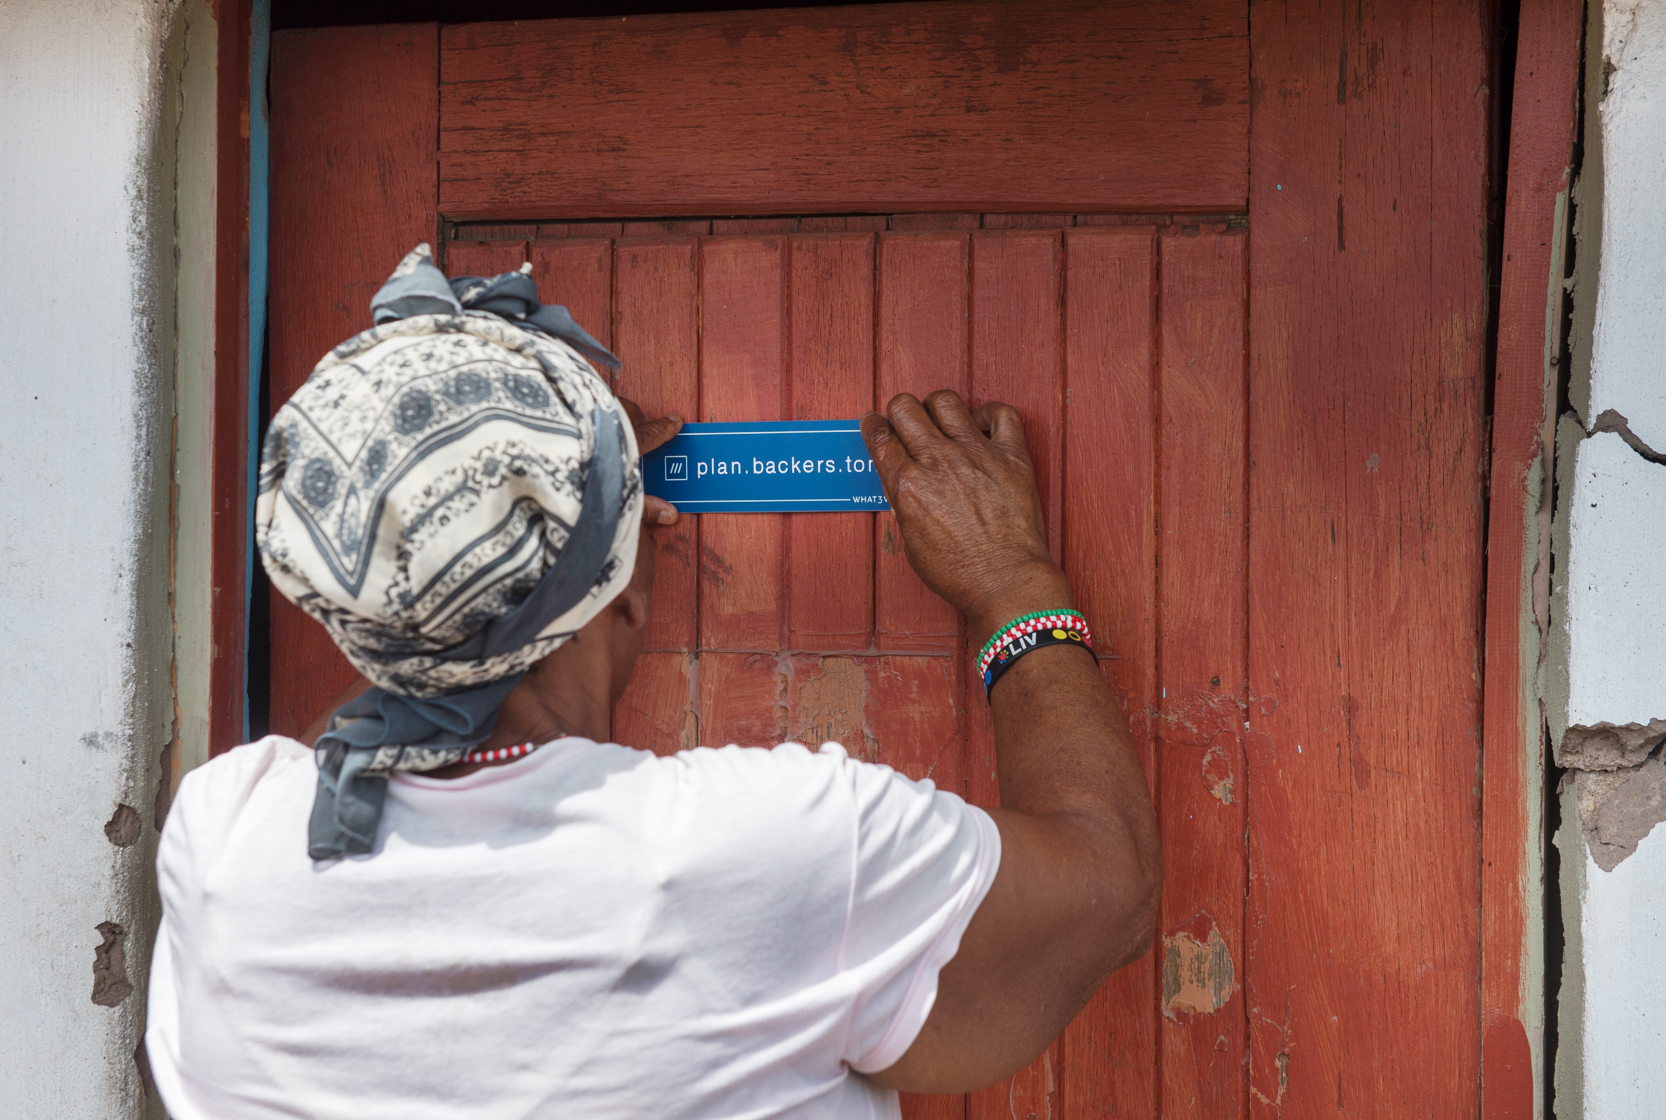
{"x": 590, "y": 931}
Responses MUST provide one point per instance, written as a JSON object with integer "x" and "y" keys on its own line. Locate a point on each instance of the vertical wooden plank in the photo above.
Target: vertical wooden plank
{"x": 654, "y": 327}
{"x": 917, "y": 703}
{"x": 578, "y": 274}
{"x": 830, "y": 556}
{"x": 351, "y": 194}
{"x": 1110, "y": 556}
{"x": 230, "y": 541}
{"x": 659, "y": 711}
{"x": 914, "y": 712}
{"x": 1201, "y": 683}
{"x": 656, "y": 334}
{"x": 742, "y": 377}
{"x": 933, "y": 1106}
{"x": 922, "y": 346}
{"x": 1367, "y": 205}
{"x": 1543, "y": 113}
{"x": 1016, "y": 354}
{"x": 483, "y": 258}
{"x": 743, "y": 699}
{"x": 1016, "y": 357}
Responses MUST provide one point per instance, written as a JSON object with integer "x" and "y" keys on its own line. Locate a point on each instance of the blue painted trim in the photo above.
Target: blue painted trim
{"x": 260, "y": 53}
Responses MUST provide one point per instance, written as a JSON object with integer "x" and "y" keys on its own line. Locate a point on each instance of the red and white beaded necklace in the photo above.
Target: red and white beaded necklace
{"x": 500, "y": 754}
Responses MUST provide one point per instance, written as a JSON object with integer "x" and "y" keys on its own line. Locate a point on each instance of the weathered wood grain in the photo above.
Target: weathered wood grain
{"x": 969, "y": 105}
{"x": 1110, "y": 554}
{"x": 483, "y": 258}
{"x": 659, "y": 711}
{"x": 656, "y": 325}
{"x": 577, "y": 273}
{"x": 742, "y": 698}
{"x": 1368, "y": 330}
{"x": 922, "y": 347}
{"x": 1200, "y": 666}
{"x": 1016, "y": 357}
{"x": 743, "y": 357}
{"x": 352, "y": 192}
{"x": 831, "y": 350}
{"x": 1543, "y": 113}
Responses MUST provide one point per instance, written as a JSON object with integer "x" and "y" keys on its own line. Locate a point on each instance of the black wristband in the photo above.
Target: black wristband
{"x": 1020, "y": 644}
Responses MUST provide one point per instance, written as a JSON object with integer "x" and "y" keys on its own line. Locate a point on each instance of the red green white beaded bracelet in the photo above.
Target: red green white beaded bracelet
{"x": 1060, "y": 619}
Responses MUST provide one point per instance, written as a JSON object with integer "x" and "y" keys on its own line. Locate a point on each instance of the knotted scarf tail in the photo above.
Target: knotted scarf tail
{"x": 346, "y": 814}
{"x": 347, "y": 809}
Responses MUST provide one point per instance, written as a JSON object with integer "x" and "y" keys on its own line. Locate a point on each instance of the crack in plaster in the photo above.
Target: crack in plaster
{"x": 1612, "y": 420}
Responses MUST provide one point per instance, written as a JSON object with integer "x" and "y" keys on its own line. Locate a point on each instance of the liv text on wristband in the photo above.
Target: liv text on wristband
{"x": 1063, "y": 618}
{"x": 1024, "y": 636}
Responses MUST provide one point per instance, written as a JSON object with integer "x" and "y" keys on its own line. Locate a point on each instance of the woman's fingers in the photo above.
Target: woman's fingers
{"x": 913, "y": 424}
{"x": 650, "y": 434}
{"x": 952, "y": 416}
{"x": 888, "y": 454}
{"x": 1005, "y": 428}
{"x": 658, "y": 511}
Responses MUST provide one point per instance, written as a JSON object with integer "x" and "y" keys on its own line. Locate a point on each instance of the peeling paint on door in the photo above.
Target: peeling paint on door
{"x": 1197, "y": 976}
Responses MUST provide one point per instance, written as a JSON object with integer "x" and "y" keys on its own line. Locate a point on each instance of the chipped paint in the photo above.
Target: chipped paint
{"x": 1198, "y": 977}
{"x": 1217, "y": 770}
{"x": 831, "y": 698}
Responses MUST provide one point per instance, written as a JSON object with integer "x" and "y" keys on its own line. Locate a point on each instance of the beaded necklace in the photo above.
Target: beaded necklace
{"x": 500, "y": 754}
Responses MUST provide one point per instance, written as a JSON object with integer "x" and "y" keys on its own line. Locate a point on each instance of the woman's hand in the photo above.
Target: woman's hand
{"x": 652, "y": 434}
{"x": 967, "y": 505}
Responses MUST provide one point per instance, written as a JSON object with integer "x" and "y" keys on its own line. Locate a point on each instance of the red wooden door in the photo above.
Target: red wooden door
{"x": 1251, "y": 387}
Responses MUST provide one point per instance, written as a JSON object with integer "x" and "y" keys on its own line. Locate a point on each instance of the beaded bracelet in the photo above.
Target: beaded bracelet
{"x": 1062, "y": 618}
{"x": 1030, "y": 633}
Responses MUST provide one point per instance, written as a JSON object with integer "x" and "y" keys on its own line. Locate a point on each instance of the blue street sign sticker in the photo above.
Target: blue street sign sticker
{"x": 792, "y": 466}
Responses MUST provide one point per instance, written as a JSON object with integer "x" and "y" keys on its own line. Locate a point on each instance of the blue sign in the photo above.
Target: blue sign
{"x": 793, "y": 466}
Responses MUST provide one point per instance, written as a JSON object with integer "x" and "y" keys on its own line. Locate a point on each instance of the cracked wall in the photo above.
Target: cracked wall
{"x": 92, "y": 134}
{"x": 1604, "y": 681}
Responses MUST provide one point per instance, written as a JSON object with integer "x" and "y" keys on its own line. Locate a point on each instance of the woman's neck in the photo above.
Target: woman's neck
{"x": 570, "y": 692}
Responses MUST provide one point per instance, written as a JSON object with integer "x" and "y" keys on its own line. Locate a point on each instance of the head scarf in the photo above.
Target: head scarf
{"x": 452, "y": 494}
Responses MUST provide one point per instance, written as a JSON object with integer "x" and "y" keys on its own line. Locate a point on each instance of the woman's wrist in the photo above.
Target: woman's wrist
{"x": 1041, "y": 588}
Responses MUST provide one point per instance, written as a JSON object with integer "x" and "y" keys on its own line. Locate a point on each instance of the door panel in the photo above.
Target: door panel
{"x": 960, "y": 105}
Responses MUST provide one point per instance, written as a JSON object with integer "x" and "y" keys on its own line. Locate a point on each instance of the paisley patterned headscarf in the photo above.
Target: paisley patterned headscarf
{"x": 452, "y": 494}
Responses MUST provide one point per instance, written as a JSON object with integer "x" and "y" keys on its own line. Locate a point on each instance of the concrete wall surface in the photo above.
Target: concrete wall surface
{"x": 87, "y": 315}
{"x": 1605, "y": 685}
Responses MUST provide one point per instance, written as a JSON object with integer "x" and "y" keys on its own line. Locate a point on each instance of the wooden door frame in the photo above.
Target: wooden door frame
{"x": 1539, "y": 160}
{"x": 1543, "y": 118}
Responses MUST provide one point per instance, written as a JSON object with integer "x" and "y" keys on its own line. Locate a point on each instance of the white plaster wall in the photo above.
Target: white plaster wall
{"x": 1624, "y": 943}
{"x": 86, "y": 324}
{"x": 1613, "y": 1011}
{"x": 1629, "y": 339}
{"x": 1616, "y": 600}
